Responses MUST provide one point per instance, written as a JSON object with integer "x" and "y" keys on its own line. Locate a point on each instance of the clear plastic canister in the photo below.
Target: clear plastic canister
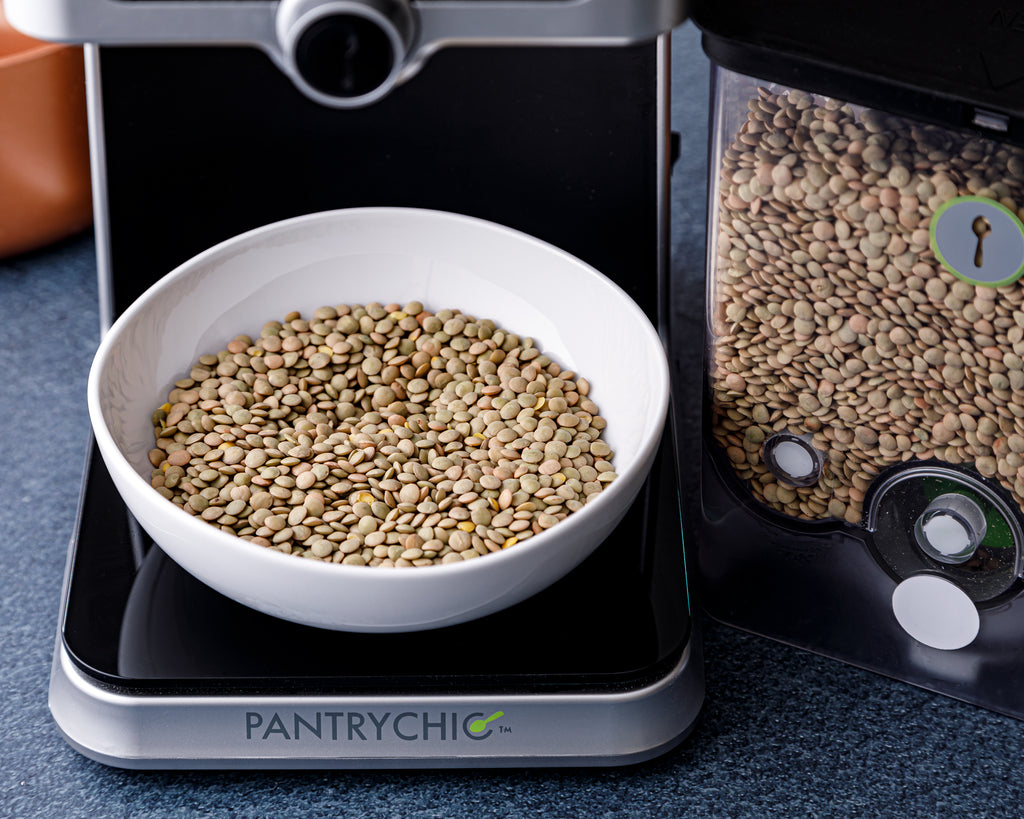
{"x": 863, "y": 299}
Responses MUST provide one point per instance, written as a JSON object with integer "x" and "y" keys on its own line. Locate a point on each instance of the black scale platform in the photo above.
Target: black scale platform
{"x": 137, "y": 621}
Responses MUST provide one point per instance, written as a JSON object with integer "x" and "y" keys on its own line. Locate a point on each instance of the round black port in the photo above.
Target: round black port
{"x": 792, "y": 459}
{"x": 345, "y": 55}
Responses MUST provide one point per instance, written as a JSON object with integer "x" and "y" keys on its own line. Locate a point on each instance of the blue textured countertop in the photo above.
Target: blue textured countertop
{"x": 783, "y": 732}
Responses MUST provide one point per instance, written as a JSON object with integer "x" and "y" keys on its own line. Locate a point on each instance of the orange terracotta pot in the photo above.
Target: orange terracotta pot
{"x": 44, "y": 145}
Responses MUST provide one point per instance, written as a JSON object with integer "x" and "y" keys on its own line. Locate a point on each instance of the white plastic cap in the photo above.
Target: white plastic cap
{"x": 936, "y": 612}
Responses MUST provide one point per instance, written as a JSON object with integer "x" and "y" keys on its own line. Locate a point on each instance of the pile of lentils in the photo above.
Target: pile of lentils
{"x": 381, "y": 436}
{"x": 832, "y": 317}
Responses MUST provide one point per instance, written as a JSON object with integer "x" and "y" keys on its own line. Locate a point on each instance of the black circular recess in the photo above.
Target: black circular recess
{"x": 345, "y": 55}
{"x": 894, "y": 505}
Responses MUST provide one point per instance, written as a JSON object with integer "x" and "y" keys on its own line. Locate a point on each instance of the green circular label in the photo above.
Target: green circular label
{"x": 979, "y": 240}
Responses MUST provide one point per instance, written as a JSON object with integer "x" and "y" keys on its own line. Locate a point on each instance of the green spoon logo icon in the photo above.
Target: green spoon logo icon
{"x": 478, "y": 725}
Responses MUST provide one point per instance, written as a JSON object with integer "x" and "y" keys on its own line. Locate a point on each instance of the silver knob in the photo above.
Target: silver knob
{"x": 345, "y": 53}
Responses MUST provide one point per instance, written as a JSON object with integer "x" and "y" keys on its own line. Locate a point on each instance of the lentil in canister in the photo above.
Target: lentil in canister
{"x": 834, "y": 322}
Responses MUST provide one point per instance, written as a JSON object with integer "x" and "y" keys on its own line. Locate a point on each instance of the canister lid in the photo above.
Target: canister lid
{"x": 955, "y": 63}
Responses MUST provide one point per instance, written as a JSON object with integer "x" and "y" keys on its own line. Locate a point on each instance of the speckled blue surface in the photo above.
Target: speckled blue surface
{"x": 783, "y": 732}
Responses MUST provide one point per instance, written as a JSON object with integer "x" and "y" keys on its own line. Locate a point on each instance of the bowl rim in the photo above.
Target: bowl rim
{"x": 224, "y": 541}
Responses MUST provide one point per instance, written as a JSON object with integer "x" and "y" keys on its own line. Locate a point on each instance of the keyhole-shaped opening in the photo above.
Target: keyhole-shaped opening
{"x": 981, "y": 227}
{"x": 351, "y": 49}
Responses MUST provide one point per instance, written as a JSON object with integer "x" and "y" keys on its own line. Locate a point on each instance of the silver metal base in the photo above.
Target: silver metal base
{"x": 140, "y": 731}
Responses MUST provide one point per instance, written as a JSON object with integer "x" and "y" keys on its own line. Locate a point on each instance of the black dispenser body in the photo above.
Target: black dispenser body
{"x": 862, "y": 492}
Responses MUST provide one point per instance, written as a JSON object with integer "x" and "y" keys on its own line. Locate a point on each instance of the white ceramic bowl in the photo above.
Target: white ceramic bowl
{"x": 576, "y": 315}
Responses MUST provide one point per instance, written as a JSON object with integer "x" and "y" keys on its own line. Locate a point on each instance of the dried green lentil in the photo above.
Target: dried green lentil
{"x": 381, "y": 435}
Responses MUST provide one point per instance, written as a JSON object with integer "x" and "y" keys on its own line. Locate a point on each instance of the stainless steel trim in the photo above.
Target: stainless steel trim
{"x": 166, "y": 22}
{"x": 439, "y": 24}
{"x": 663, "y": 181}
{"x": 519, "y": 22}
{"x": 98, "y": 163}
{"x": 163, "y": 22}
{"x": 132, "y": 730}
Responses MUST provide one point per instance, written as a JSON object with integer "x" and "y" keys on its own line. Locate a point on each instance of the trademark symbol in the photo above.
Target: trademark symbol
{"x": 504, "y": 729}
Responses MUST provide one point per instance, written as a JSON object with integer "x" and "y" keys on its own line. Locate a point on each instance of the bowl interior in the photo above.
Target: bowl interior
{"x": 576, "y": 316}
